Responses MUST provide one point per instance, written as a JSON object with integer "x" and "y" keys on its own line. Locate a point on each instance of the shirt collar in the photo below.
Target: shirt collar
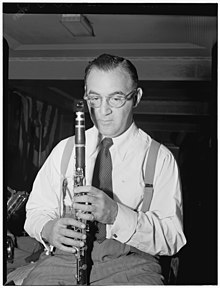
{"x": 94, "y": 139}
{"x": 120, "y": 143}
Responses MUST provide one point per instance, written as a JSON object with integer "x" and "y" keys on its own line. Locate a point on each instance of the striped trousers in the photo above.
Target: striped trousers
{"x": 114, "y": 263}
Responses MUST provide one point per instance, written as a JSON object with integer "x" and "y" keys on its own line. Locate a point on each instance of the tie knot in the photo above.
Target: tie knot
{"x": 107, "y": 143}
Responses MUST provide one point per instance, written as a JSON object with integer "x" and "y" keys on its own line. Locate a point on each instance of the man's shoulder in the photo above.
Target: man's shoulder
{"x": 62, "y": 144}
{"x": 146, "y": 141}
{"x": 143, "y": 138}
{"x": 70, "y": 140}
{"x": 91, "y": 131}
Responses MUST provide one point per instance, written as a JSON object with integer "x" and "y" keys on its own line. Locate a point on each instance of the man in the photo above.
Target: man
{"x": 134, "y": 239}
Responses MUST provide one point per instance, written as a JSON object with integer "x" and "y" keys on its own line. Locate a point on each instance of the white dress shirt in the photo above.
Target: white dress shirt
{"x": 159, "y": 231}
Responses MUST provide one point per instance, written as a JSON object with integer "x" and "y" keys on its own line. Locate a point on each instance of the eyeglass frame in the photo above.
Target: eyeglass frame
{"x": 124, "y": 97}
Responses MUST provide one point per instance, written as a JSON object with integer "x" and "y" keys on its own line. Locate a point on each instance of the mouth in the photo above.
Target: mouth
{"x": 105, "y": 121}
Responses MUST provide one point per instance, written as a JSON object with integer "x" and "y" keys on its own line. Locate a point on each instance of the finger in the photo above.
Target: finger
{"x": 86, "y": 189}
{"x": 81, "y": 189}
{"x": 73, "y": 234}
{"x": 73, "y": 222}
{"x": 81, "y": 199}
{"x": 66, "y": 248}
{"x": 86, "y": 216}
{"x": 88, "y": 198}
{"x": 71, "y": 242}
{"x": 83, "y": 207}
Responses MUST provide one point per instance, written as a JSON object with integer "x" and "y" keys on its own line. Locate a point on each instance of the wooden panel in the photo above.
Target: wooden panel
{"x": 157, "y": 107}
{"x": 149, "y": 68}
{"x": 169, "y": 126}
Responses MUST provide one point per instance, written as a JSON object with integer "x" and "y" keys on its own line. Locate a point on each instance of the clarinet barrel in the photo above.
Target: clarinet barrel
{"x": 79, "y": 180}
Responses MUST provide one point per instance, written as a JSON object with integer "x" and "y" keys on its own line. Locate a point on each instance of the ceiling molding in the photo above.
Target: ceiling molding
{"x": 83, "y": 59}
{"x": 14, "y": 44}
{"x": 149, "y": 68}
{"x": 97, "y": 46}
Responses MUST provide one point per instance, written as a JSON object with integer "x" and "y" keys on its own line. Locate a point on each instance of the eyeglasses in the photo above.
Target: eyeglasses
{"x": 115, "y": 101}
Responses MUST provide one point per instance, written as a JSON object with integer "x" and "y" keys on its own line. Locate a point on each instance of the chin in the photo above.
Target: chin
{"x": 107, "y": 133}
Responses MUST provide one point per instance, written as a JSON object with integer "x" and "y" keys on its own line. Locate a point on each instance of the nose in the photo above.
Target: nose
{"x": 105, "y": 108}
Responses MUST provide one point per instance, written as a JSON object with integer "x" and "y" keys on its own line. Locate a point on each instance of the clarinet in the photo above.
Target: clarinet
{"x": 79, "y": 180}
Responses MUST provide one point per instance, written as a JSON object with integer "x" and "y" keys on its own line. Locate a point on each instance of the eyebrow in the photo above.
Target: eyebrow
{"x": 111, "y": 94}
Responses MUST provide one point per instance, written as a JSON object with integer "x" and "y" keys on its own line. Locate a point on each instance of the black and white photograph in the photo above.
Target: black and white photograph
{"x": 109, "y": 143}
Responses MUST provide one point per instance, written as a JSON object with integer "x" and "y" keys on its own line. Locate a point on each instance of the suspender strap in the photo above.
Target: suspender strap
{"x": 149, "y": 175}
{"x": 67, "y": 152}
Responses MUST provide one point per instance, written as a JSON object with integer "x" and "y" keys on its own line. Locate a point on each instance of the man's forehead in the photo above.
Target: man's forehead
{"x": 110, "y": 71}
{"x": 116, "y": 76}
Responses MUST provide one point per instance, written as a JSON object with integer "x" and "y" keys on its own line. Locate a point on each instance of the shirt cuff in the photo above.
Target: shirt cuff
{"x": 47, "y": 247}
{"x": 124, "y": 226}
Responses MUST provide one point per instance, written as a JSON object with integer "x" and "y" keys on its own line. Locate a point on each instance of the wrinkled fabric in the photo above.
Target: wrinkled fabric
{"x": 113, "y": 264}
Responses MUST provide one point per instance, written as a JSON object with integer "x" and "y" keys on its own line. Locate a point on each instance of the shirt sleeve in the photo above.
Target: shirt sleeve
{"x": 44, "y": 203}
{"x": 158, "y": 231}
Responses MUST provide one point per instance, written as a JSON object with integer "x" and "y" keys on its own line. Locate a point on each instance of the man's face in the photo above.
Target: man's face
{"x": 110, "y": 121}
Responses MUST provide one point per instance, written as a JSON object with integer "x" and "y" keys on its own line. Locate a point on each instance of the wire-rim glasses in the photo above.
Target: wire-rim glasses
{"x": 114, "y": 101}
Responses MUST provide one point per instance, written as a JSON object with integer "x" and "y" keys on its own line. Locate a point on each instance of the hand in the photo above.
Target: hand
{"x": 58, "y": 235}
{"x": 103, "y": 208}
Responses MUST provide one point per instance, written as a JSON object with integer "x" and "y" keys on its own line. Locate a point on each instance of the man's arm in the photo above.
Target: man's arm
{"x": 159, "y": 230}
{"x": 44, "y": 219}
{"x": 43, "y": 203}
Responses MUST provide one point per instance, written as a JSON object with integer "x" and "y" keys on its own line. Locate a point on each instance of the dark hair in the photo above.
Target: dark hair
{"x": 108, "y": 62}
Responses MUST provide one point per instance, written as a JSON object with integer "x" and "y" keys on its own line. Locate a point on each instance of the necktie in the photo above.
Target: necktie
{"x": 102, "y": 179}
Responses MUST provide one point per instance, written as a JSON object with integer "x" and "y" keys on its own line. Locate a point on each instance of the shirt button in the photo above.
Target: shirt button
{"x": 115, "y": 236}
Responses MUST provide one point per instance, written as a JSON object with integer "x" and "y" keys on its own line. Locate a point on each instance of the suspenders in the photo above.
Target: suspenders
{"x": 67, "y": 152}
{"x": 149, "y": 175}
{"x": 149, "y": 171}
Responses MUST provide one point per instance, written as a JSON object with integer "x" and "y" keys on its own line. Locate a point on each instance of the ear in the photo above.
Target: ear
{"x": 138, "y": 97}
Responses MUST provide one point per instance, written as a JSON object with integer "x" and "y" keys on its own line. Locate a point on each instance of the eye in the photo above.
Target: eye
{"x": 117, "y": 98}
{"x": 94, "y": 98}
